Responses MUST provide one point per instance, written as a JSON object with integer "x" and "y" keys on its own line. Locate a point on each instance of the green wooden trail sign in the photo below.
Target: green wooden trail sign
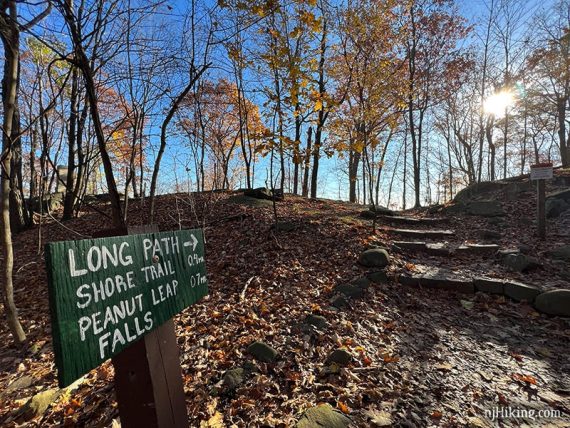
{"x": 107, "y": 293}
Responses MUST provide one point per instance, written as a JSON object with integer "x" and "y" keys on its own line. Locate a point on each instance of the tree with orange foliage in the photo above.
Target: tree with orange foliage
{"x": 212, "y": 119}
{"x": 432, "y": 29}
{"x": 369, "y": 66}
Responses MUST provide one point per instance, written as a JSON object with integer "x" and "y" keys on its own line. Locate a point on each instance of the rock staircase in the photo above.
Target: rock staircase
{"x": 554, "y": 302}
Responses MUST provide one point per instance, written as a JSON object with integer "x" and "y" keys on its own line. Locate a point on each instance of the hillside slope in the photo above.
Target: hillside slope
{"x": 410, "y": 356}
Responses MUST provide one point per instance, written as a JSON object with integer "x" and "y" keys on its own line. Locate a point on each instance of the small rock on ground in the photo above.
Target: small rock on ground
{"x": 20, "y": 383}
{"x": 349, "y": 290}
{"x": 560, "y": 253}
{"x": 323, "y": 416}
{"x": 317, "y": 320}
{"x": 363, "y": 282}
{"x": 518, "y": 262}
{"x": 233, "y": 378}
{"x": 339, "y": 302}
{"x": 38, "y": 404}
{"x": 374, "y": 258}
{"x": 262, "y": 352}
{"x": 339, "y": 356}
{"x": 379, "y": 277}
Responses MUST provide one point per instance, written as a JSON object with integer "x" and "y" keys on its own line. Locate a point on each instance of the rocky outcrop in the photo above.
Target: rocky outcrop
{"x": 555, "y": 207}
{"x": 485, "y": 208}
{"x": 264, "y": 193}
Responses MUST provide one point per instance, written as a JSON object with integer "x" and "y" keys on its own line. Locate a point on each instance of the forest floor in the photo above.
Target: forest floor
{"x": 420, "y": 357}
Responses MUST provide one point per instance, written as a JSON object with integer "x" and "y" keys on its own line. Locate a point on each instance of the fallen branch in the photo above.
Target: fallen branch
{"x": 242, "y": 294}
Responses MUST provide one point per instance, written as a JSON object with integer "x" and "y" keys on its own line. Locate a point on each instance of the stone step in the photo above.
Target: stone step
{"x": 443, "y": 248}
{"x": 555, "y": 302}
{"x": 483, "y": 249}
{"x": 412, "y": 220}
{"x": 421, "y": 233}
{"x": 435, "y": 249}
{"x": 432, "y": 277}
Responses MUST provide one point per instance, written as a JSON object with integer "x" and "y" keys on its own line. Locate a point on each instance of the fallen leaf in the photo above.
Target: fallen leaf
{"x": 390, "y": 358}
{"x": 216, "y": 421}
{"x": 379, "y": 418}
{"x": 436, "y": 414}
{"x": 343, "y": 407}
{"x": 524, "y": 379}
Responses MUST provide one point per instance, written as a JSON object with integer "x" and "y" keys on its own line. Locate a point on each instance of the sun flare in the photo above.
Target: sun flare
{"x": 497, "y": 104}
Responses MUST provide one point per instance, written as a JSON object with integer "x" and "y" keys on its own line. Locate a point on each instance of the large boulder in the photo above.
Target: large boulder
{"x": 264, "y": 193}
{"x": 485, "y": 208}
{"x": 375, "y": 257}
{"x": 563, "y": 195}
{"x": 555, "y": 207}
{"x": 515, "y": 190}
{"x": 323, "y": 416}
{"x": 48, "y": 203}
{"x": 380, "y": 210}
{"x": 555, "y": 302}
{"x": 478, "y": 190}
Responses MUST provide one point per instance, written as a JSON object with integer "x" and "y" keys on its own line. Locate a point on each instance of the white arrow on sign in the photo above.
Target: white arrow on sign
{"x": 192, "y": 243}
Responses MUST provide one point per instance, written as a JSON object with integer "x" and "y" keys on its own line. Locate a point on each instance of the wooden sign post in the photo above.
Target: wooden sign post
{"x": 541, "y": 172}
{"x": 115, "y": 297}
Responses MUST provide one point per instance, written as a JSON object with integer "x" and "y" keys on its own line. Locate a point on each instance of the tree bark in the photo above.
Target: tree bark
{"x": 173, "y": 108}
{"x": 307, "y": 162}
{"x": 9, "y": 32}
{"x": 85, "y": 65}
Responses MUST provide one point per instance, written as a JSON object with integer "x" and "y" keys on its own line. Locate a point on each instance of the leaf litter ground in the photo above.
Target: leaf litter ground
{"x": 420, "y": 357}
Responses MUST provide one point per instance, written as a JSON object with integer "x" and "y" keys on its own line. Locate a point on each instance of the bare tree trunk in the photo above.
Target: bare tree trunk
{"x": 404, "y": 181}
{"x": 173, "y": 108}
{"x": 564, "y": 146}
{"x": 297, "y": 151}
{"x": 9, "y": 32}
{"x": 33, "y": 171}
{"x": 322, "y": 117}
{"x": 353, "y": 161}
{"x": 85, "y": 65}
{"x": 489, "y": 134}
{"x": 69, "y": 201}
{"x": 307, "y": 162}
